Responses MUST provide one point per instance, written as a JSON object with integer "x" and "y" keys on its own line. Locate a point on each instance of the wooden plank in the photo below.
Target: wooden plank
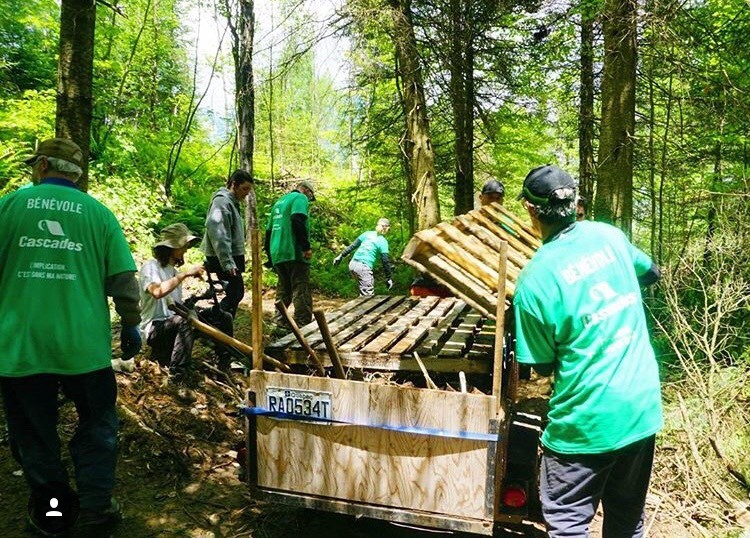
{"x": 308, "y": 329}
{"x": 462, "y": 337}
{"x": 363, "y": 463}
{"x": 462, "y": 258}
{"x": 257, "y": 299}
{"x": 441, "y": 332}
{"x": 405, "y": 363}
{"x": 396, "y": 330}
{"x": 471, "y": 244}
{"x": 417, "y": 332}
{"x": 465, "y": 223}
{"x": 524, "y": 229}
{"x": 365, "y": 322}
{"x": 498, "y": 230}
{"x": 351, "y": 318}
{"x": 374, "y": 329}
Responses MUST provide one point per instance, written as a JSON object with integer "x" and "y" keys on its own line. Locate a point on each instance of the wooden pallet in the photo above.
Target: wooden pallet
{"x": 383, "y": 332}
{"x": 463, "y": 254}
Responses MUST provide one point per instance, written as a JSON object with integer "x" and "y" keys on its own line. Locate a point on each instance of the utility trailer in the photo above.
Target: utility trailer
{"x": 440, "y": 459}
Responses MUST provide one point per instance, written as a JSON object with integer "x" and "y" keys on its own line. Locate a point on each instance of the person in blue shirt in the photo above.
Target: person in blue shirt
{"x": 367, "y": 249}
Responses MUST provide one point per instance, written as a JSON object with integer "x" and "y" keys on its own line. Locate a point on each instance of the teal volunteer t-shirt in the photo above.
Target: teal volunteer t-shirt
{"x": 57, "y": 247}
{"x": 373, "y": 245}
{"x": 578, "y": 305}
{"x": 283, "y": 247}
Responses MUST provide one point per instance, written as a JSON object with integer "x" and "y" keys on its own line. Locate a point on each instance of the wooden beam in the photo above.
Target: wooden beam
{"x": 257, "y": 300}
{"x": 497, "y": 366}
{"x": 333, "y": 353}
{"x": 295, "y": 329}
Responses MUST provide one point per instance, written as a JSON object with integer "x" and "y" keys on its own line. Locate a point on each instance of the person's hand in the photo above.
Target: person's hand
{"x": 233, "y": 271}
{"x": 195, "y": 270}
{"x": 130, "y": 342}
{"x": 307, "y": 254}
{"x": 389, "y": 283}
{"x": 337, "y": 260}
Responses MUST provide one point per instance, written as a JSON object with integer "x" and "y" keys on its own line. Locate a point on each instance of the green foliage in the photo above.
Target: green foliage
{"x": 28, "y": 45}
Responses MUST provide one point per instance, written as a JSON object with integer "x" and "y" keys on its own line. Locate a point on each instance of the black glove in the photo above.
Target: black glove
{"x": 130, "y": 342}
{"x": 337, "y": 260}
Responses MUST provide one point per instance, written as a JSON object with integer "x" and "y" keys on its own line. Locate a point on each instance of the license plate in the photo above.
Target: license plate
{"x": 304, "y": 403}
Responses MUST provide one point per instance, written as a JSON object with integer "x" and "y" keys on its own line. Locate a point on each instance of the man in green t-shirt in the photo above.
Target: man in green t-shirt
{"x": 369, "y": 247}
{"x": 287, "y": 245}
{"x": 61, "y": 254}
{"x": 579, "y": 315}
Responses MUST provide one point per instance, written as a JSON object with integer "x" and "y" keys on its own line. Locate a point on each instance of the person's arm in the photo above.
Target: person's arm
{"x": 123, "y": 288}
{"x": 386, "y": 265}
{"x": 267, "y": 247}
{"x": 299, "y": 230}
{"x": 535, "y": 343}
{"x": 219, "y": 232}
{"x": 159, "y": 290}
{"x": 348, "y": 250}
{"x": 651, "y": 276}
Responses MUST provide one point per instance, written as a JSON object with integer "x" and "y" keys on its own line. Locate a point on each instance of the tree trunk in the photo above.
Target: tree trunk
{"x": 586, "y": 164}
{"x": 462, "y": 100}
{"x": 614, "y": 189}
{"x": 242, "y": 28}
{"x": 416, "y": 144}
{"x": 75, "y": 74}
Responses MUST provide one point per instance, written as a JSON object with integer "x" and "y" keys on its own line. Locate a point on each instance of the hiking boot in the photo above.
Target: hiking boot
{"x": 100, "y": 523}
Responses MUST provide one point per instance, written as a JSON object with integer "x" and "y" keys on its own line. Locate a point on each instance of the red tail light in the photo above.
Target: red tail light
{"x": 514, "y": 497}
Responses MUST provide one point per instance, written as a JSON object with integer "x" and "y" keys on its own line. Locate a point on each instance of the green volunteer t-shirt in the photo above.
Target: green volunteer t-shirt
{"x": 283, "y": 247}
{"x": 373, "y": 245}
{"x": 57, "y": 247}
{"x": 578, "y": 305}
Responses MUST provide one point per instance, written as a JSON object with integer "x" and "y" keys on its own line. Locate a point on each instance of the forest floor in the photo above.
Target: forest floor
{"x": 177, "y": 473}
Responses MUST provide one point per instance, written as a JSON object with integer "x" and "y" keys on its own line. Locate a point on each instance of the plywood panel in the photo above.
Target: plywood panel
{"x": 367, "y": 464}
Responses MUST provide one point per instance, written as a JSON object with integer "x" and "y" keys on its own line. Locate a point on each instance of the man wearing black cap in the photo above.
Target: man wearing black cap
{"x": 492, "y": 191}
{"x": 61, "y": 254}
{"x": 579, "y": 315}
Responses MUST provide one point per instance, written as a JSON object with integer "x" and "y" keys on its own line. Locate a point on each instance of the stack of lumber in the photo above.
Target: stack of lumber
{"x": 463, "y": 254}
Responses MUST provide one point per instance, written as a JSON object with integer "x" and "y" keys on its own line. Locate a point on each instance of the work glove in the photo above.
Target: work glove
{"x": 337, "y": 260}
{"x": 130, "y": 342}
{"x": 389, "y": 283}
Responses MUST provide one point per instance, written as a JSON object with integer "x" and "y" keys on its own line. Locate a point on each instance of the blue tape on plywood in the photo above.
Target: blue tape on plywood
{"x": 435, "y": 432}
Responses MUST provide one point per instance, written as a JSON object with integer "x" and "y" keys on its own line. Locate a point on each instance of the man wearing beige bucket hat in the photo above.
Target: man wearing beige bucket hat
{"x": 170, "y": 336}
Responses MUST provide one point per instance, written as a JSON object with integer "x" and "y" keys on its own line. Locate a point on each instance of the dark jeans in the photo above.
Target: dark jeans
{"x": 235, "y": 289}
{"x": 573, "y": 485}
{"x": 31, "y": 411}
{"x": 294, "y": 287}
{"x": 171, "y": 342}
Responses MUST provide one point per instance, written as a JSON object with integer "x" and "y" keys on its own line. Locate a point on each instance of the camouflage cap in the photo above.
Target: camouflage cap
{"x": 309, "y": 186}
{"x": 59, "y": 148}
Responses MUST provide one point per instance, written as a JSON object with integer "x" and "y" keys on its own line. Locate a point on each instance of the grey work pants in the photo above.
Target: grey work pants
{"x": 573, "y": 485}
{"x": 364, "y": 276}
{"x": 294, "y": 287}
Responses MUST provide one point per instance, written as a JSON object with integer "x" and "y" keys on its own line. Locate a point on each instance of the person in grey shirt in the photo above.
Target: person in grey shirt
{"x": 224, "y": 240}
